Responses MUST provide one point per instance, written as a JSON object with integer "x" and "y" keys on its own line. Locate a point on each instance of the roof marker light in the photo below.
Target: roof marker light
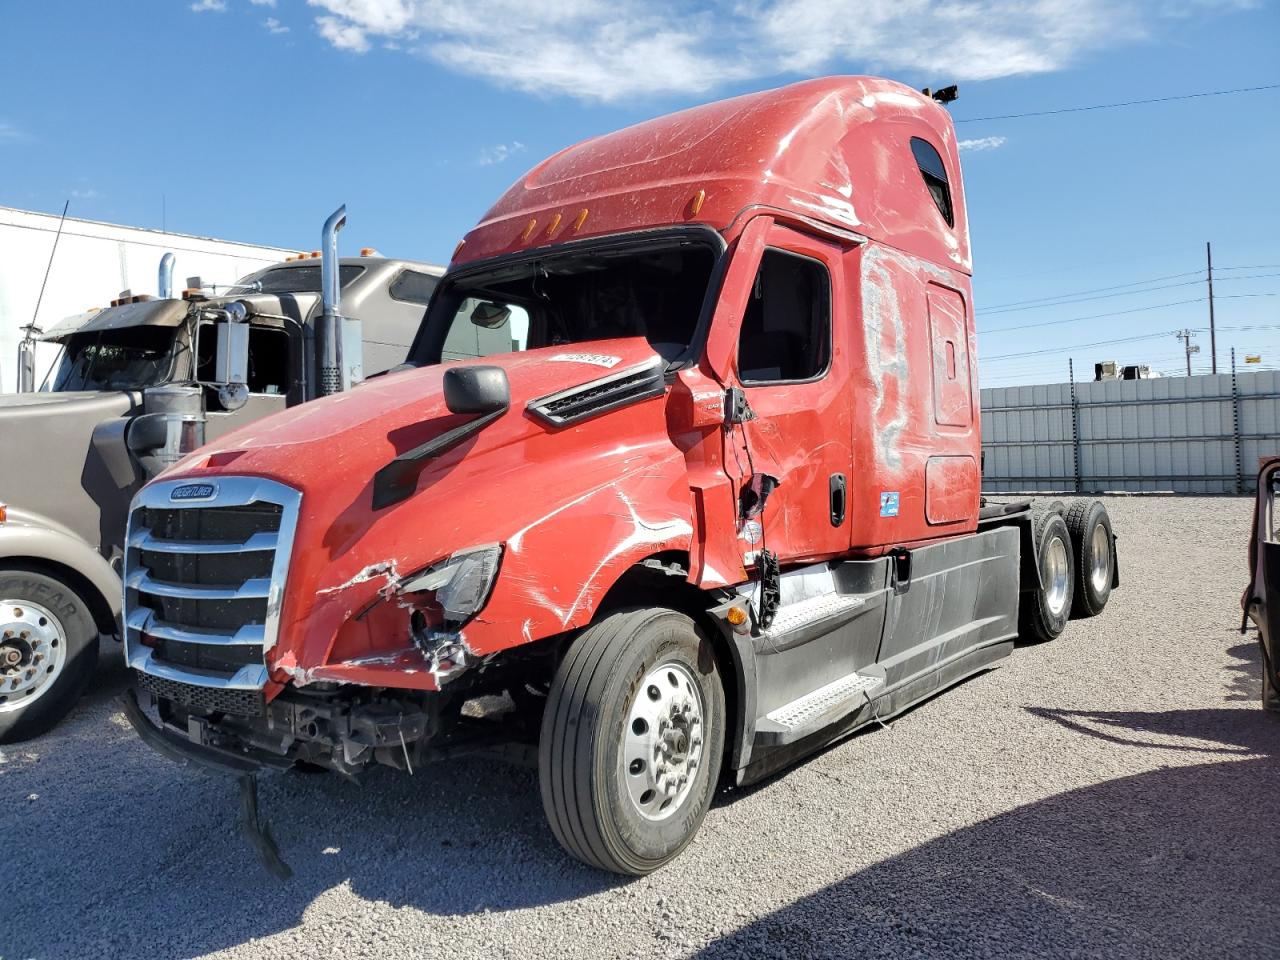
{"x": 580, "y": 219}
{"x": 315, "y": 254}
{"x": 551, "y": 227}
{"x": 696, "y": 203}
{"x": 368, "y": 252}
{"x": 531, "y": 226}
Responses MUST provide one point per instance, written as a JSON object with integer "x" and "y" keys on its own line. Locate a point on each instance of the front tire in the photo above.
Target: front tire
{"x": 631, "y": 742}
{"x": 48, "y": 652}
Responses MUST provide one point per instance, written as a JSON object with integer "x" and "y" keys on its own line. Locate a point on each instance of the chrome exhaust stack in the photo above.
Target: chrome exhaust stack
{"x": 334, "y": 372}
{"x": 165, "y": 283}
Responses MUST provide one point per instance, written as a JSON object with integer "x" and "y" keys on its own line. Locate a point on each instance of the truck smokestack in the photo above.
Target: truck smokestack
{"x": 331, "y": 363}
{"x": 165, "y": 283}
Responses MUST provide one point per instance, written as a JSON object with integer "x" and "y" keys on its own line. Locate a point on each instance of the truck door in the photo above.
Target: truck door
{"x": 791, "y": 361}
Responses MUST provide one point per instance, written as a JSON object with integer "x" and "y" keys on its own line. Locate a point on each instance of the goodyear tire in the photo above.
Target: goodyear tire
{"x": 48, "y": 652}
{"x": 1091, "y": 538}
{"x": 1044, "y": 610}
{"x": 631, "y": 741}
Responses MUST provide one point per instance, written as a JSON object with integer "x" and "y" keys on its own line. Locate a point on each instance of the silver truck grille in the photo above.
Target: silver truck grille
{"x": 204, "y": 572}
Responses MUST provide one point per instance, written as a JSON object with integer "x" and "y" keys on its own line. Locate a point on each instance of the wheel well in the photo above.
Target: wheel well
{"x": 660, "y": 581}
{"x": 98, "y": 606}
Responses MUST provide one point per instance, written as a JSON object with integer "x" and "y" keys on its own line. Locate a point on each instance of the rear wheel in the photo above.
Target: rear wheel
{"x": 1044, "y": 610}
{"x": 48, "y": 652}
{"x": 631, "y": 742}
{"x": 1090, "y": 529}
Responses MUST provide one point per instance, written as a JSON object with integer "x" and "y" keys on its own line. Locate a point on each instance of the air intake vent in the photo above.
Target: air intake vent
{"x": 600, "y": 396}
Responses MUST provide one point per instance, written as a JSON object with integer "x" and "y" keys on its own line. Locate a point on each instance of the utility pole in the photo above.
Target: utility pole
{"x": 1213, "y": 337}
{"x": 1185, "y": 336}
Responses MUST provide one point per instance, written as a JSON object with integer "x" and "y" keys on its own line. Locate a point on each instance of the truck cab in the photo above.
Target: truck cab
{"x": 137, "y": 386}
{"x": 712, "y": 504}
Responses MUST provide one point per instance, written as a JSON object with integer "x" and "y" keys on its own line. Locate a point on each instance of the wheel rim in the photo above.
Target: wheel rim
{"x": 662, "y": 741}
{"x": 1057, "y": 575}
{"x": 1100, "y": 569}
{"x": 33, "y": 651}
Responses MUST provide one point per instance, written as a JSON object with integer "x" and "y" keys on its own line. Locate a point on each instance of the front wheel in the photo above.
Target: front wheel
{"x": 631, "y": 742}
{"x": 48, "y": 652}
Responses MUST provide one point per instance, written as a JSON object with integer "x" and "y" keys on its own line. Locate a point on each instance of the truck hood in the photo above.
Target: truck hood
{"x": 616, "y": 479}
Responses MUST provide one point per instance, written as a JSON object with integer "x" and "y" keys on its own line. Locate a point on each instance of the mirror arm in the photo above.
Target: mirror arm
{"x": 397, "y": 480}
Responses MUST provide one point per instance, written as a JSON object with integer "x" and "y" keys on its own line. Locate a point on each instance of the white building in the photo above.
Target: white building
{"x": 93, "y": 263}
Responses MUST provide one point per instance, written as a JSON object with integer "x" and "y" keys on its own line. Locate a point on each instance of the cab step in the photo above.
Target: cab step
{"x": 814, "y": 610}
{"x": 809, "y": 714}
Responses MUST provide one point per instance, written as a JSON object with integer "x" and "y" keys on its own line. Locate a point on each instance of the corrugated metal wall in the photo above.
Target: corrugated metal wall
{"x": 1185, "y": 434}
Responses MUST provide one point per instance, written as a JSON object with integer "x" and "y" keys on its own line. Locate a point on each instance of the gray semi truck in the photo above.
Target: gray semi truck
{"x": 136, "y": 387}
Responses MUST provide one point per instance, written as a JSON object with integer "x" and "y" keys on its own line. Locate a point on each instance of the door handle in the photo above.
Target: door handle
{"x": 838, "y": 499}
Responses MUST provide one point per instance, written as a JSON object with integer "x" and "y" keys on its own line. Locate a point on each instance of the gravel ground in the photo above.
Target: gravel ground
{"x": 1110, "y": 794}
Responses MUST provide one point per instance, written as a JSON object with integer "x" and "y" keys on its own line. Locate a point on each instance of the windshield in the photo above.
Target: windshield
{"x": 124, "y": 359}
{"x": 292, "y": 279}
{"x": 653, "y": 290}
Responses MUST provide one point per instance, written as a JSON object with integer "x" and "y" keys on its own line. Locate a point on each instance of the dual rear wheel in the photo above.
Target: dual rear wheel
{"x": 1075, "y": 552}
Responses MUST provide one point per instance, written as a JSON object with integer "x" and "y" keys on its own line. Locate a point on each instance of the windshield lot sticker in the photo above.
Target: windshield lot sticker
{"x": 595, "y": 359}
{"x": 889, "y": 503}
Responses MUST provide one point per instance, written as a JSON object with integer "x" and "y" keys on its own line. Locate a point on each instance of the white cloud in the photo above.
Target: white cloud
{"x": 272, "y": 24}
{"x": 10, "y": 133}
{"x": 625, "y": 48}
{"x": 85, "y": 193}
{"x": 264, "y": 3}
{"x": 491, "y": 156}
{"x": 982, "y": 143}
{"x": 343, "y": 34}
{"x": 206, "y": 6}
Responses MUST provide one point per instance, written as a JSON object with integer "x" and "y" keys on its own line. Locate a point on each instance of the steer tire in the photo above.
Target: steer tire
{"x": 1091, "y": 538}
{"x": 593, "y": 765}
{"x": 62, "y": 619}
{"x": 1044, "y": 610}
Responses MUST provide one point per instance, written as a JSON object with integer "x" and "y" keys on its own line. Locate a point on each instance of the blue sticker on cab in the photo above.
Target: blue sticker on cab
{"x": 889, "y": 503}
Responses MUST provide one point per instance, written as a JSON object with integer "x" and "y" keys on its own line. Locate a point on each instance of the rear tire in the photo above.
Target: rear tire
{"x": 1091, "y": 538}
{"x": 1044, "y": 610}
{"x": 626, "y": 774}
{"x": 48, "y": 652}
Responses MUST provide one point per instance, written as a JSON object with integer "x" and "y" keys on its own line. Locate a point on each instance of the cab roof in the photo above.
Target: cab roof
{"x": 837, "y": 151}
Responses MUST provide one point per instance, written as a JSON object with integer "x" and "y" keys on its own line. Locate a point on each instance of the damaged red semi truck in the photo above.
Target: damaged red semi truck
{"x": 717, "y": 505}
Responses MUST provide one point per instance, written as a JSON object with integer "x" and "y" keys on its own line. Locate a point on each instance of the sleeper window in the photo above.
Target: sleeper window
{"x": 935, "y": 177}
{"x": 786, "y": 328}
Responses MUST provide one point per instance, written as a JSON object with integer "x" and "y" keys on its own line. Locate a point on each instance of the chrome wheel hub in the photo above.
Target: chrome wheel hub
{"x": 1057, "y": 576}
{"x": 662, "y": 742}
{"x": 33, "y": 651}
{"x": 1100, "y": 570}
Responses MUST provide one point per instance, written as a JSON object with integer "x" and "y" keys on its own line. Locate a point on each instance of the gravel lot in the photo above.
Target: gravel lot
{"x": 1114, "y": 793}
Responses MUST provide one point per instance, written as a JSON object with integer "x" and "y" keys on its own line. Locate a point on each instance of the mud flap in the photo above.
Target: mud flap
{"x": 258, "y": 833}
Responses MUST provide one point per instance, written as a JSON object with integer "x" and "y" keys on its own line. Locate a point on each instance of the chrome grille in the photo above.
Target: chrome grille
{"x": 204, "y": 578}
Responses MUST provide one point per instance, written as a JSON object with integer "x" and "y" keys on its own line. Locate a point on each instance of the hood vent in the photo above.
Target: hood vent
{"x": 600, "y": 396}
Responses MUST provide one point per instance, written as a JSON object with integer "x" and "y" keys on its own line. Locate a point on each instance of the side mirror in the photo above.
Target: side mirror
{"x": 476, "y": 389}
{"x": 490, "y": 315}
{"x": 231, "y": 357}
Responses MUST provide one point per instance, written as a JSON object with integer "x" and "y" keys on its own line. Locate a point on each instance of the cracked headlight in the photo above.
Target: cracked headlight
{"x": 455, "y": 589}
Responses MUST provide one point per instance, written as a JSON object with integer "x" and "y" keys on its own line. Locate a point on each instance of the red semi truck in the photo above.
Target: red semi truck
{"x": 716, "y": 505}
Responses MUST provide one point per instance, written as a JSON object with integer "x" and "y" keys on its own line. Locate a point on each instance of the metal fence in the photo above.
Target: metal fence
{"x": 1201, "y": 434}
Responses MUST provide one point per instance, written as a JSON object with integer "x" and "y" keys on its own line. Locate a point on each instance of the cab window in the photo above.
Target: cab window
{"x": 935, "y": 177}
{"x": 413, "y": 287}
{"x": 268, "y": 358}
{"x": 786, "y": 328}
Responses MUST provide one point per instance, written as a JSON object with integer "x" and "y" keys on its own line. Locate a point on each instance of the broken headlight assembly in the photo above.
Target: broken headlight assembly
{"x": 449, "y": 593}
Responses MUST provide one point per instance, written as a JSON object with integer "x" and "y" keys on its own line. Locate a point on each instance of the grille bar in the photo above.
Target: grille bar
{"x": 143, "y": 620}
{"x": 141, "y": 581}
{"x": 143, "y": 539}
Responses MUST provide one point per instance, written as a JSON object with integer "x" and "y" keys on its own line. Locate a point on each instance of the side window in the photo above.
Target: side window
{"x": 268, "y": 358}
{"x": 786, "y": 329}
{"x": 935, "y": 177}
{"x": 413, "y": 287}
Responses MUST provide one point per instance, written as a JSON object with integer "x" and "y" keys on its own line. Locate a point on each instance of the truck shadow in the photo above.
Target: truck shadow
{"x": 1179, "y": 861}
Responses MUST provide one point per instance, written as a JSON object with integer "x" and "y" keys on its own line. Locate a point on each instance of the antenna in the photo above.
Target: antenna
{"x": 27, "y": 348}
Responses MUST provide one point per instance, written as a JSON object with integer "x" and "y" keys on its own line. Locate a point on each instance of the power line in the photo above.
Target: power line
{"x": 1095, "y": 316}
{"x": 1078, "y": 296}
{"x": 1077, "y": 346}
{"x": 1125, "y": 103}
{"x": 1102, "y": 296}
{"x": 1080, "y": 293}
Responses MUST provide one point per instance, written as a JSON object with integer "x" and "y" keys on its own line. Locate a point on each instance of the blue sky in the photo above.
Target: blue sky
{"x": 253, "y": 118}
